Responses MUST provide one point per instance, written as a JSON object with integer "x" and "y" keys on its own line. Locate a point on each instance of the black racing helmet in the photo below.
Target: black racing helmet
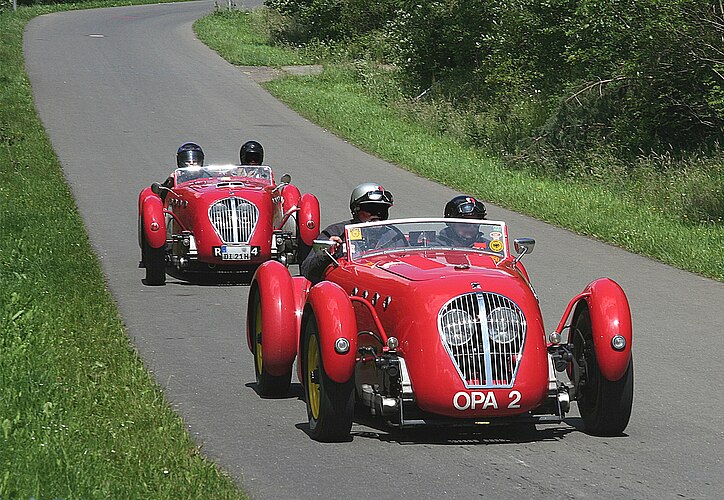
{"x": 372, "y": 198}
{"x": 251, "y": 153}
{"x": 465, "y": 207}
{"x": 189, "y": 153}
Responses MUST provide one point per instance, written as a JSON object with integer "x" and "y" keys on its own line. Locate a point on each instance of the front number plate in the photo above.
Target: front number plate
{"x": 236, "y": 252}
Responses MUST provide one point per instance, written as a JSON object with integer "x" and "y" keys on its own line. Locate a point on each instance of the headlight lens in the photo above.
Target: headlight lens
{"x": 504, "y": 323}
{"x": 458, "y": 327}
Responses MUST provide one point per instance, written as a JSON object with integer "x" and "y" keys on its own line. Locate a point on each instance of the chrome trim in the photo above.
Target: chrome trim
{"x": 234, "y": 219}
{"x": 481, "y": 362}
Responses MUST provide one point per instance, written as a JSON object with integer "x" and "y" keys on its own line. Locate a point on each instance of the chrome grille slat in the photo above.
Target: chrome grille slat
{"x": 234, "y": 219}
{"x": 467, "y": 325}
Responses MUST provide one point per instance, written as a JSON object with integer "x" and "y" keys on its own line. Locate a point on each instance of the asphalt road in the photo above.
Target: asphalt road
{"x": 119, "y": 89}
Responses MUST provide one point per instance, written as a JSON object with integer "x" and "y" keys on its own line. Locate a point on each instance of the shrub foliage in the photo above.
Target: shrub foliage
{"x": 553, "y": 83}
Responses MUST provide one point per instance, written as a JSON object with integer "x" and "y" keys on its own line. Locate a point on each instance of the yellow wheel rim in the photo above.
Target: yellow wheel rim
{"x": 313, "y": 394}
{"x": 257, "y": 334}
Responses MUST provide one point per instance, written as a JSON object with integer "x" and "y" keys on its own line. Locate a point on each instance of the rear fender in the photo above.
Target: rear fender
{"x": 335, "y": 317}
{"x": 308, "y": 218}
{"x": 279, "y": 321}
{"x": 153, "y": 222}
{"x": 610, "y": 316}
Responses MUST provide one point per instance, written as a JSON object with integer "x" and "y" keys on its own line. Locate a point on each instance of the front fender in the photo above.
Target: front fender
{"x": 610, "y": 316}
{"x": 308, "y": 218}
{"x": 335, "y": 319}
{"x": 153, "y": 222}
{"x": 279, "y": 322}
{"x": 290, "y": 197}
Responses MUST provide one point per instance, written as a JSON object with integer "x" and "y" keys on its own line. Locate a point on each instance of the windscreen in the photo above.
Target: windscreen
{"x": 421, "y": 234}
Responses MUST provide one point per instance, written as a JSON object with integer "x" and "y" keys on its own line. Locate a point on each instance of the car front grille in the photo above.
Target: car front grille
{"x": 234, "y": 219}
{"x": 484, "y": 335}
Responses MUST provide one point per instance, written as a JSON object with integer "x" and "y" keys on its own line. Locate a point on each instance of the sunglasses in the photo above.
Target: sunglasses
{"x": 374, "y": 209}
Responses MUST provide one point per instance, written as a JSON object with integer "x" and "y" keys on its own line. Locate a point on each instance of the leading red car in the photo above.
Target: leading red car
{"x": 423, "y": 332}
{"x": 222, "y": 220}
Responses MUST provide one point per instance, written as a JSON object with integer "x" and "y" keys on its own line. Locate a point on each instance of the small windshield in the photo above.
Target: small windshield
{"x": 364, "y": 240}
{"x": 187, "y": 174}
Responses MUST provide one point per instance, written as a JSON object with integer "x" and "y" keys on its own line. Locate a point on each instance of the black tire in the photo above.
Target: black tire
{"x": 155, "y": 261}
{"x": 302, "y": 249}
{"x": 604, "y": 405}
{"x": 330, "y": 405}
{"x": 267, "y": 385}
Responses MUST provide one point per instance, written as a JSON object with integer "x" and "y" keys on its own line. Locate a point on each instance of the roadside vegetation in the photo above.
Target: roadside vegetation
{"x": 606, "y": 118}
{"x": 79, "y": 415}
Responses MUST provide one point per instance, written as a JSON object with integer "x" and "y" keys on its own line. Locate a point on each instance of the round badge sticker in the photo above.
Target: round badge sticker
{"x": 496, "y": 245}
{"x": 355, "y": 234}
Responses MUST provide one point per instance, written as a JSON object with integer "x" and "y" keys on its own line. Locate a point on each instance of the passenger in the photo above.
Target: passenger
{"x": 251, "y": 153}
{"x": 463, "y": 235}
{"x": 368, "y": 202}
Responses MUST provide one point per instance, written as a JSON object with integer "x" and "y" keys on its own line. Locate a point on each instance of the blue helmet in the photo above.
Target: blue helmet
{"x": 189, "y": 153}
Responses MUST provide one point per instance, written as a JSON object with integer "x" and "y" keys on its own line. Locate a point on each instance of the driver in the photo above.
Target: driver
{"x": 464, "y": 235}
{"x": 368, "y": 202}
{"x": 189, "y": 154}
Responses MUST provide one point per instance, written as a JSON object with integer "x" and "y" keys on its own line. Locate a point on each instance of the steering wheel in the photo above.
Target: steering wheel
{"x": 388, "y": 240}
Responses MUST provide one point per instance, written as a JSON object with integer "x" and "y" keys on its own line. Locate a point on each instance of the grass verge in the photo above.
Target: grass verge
{"x": 337, "y": 101}
{"x": 79, "y": 415}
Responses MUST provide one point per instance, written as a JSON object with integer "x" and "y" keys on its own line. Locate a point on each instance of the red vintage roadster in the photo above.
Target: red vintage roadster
{"x": 420, "y": 331}
{"x": 223, "y": 220}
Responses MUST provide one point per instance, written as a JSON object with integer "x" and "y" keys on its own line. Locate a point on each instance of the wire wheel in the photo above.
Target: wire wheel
{"x": 155, "y": 261}
{"x": 604, "y": 405}
{"x": 330, "y": 405}
{"x": 267, "y": 385}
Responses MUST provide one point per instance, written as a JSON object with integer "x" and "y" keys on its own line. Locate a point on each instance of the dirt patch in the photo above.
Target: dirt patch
{"x": 262, "y": 74}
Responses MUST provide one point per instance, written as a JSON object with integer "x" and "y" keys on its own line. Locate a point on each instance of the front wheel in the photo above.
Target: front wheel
{"x": 267, "y": 385}
{"x": 604, "y": 405}
{"x": 155, "y": 261}
{"x": 330, "y": 405}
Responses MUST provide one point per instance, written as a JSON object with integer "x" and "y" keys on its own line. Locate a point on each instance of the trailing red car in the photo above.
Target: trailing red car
{"x": 222, "y": 220}
{"x": 420, "y": 331}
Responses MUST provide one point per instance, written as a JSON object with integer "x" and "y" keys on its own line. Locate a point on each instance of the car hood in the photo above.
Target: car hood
{"x": 432, "y": 265}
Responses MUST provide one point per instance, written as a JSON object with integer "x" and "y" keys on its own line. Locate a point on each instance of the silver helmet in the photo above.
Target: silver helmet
{"x": 371, "y": 195}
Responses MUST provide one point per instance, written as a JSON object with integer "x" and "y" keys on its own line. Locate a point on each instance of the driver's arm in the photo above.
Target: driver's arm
{"x": 314, "y": 265}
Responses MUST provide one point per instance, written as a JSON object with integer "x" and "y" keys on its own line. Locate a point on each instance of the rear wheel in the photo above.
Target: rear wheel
{"x": 330, "y": 405}
{"x": 604, "y": 405}
{"x": 267, "y": 385}
{"x": 155, "y": 261}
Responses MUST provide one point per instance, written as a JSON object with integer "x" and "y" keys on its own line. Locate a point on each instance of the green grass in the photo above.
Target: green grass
{"x": 337, "y": 101}
{"x": 79, "y": 415}
{"x": 230, "y": 33}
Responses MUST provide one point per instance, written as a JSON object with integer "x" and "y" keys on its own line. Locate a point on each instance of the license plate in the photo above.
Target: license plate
{"x": 237, "y": 252}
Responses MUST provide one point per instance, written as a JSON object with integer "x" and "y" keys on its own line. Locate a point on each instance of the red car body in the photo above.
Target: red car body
{"x": 223, "y": 219}
{"x": 424, "y": 332}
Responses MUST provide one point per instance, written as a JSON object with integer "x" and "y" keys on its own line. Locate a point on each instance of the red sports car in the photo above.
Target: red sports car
{"x": 421, "y": 331}
{"x": 223, "y": 220}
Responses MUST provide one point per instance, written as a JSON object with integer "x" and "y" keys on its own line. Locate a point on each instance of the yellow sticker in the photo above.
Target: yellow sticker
{"x": 496, "y": 245}
{"x": 355, "y": 234}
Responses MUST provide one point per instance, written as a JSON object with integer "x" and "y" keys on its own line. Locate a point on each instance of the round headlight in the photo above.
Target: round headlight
{"x": 458, "y": 327}
{"x": 504, "y": 324}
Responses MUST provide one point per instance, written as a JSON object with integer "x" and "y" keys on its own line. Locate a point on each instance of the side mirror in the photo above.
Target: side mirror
{"x": 326, "y": 247}
{"x": 286, "y": 179}
{"x": 320, "y": 245}
{"x": 156, "y": 188}
{"x": 524, "y": 245}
